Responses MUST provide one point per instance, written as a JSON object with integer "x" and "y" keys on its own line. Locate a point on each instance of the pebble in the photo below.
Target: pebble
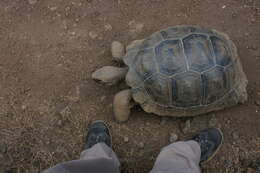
{"x": 117, "y": 50}
{"x": 65, "y": 112}
{"x": 32, "y": 2}
{"x": 108, "y": 27}
{"x": 173, "y": 137}
{"x": 141, "y": 145}
{"x": 135, "y": 27}
{"x": 24, "y": 107}
{"x": 126, "y": 139}
{"x": 93, "y": 35}
{"x": 246, "y": 34}
{"x": 73, "y": 33}
{"x": 234, "y": 15}
{"x": 59, "y": 123}
{"x": 53, "y": 8}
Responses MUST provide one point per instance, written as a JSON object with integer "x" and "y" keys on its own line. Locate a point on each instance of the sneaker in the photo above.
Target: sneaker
{"x": 210, "y": 140}
{"x": 98, "y": 132}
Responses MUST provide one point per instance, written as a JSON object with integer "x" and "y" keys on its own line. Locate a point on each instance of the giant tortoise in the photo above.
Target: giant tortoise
{"x": 179, "y": 71}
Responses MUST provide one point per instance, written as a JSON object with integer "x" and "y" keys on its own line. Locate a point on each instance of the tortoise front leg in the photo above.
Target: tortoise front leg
{"x": 122, "y": 105}
{"x": 110, "y": 75}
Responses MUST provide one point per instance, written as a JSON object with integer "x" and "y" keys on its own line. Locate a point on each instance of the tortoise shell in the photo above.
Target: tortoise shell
{"x": 185, "y": 71}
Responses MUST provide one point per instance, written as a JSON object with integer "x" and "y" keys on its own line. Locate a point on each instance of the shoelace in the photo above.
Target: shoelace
{"x": 96, "y": 139}
{"x": 203, "y": 141}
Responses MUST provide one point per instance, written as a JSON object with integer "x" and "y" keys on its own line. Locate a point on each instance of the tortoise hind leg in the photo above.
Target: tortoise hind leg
{"x": 241, "y": 91}
{"x": 122, "y": 105}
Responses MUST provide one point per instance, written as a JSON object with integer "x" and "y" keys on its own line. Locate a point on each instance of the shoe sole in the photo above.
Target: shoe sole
{"x": 101, "y": 121}
{"x": 213, "y": 155}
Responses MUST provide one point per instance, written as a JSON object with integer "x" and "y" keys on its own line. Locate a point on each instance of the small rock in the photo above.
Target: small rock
{"x": 173, "y": 137}
{"x": 65, "y": 112}
{"x": 64, "y": 24}
{"x": 234, "y": 15}
{"x": 253, "y": 20}
{"x": 32, "y": 2}
{"x": 108, "y": 27}
{"x": 93, "y": 35}
{"x": 186, "y": 126}
{"x": 53, "y": 8}
{"x": 141, "y": 145}
{"x": 246, "y": 34}
{"x": 126, "y": 139}
{"x": 135, "y": 27}
{"x": 72, "y": 33}
{"x": 59, "y": 123}
{"x": 117, "y": 50}
{"x": 235, "y": 135}
{"x": 24, "y": 107}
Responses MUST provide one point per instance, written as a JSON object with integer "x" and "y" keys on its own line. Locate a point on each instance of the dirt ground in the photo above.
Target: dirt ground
{"x": 48, "y": 50}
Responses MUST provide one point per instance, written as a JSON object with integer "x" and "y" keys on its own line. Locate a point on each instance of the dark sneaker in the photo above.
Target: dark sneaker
{"x": 210, "y": 141}
{"x": 98, "y": 132}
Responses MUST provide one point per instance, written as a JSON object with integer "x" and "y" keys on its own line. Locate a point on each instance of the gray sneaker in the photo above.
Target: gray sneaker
{"x": 98, "y": 132}
{"x": 210, "y": 140}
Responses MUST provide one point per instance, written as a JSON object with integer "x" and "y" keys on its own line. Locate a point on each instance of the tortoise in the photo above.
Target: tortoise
{"x": 179, "y": 71}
